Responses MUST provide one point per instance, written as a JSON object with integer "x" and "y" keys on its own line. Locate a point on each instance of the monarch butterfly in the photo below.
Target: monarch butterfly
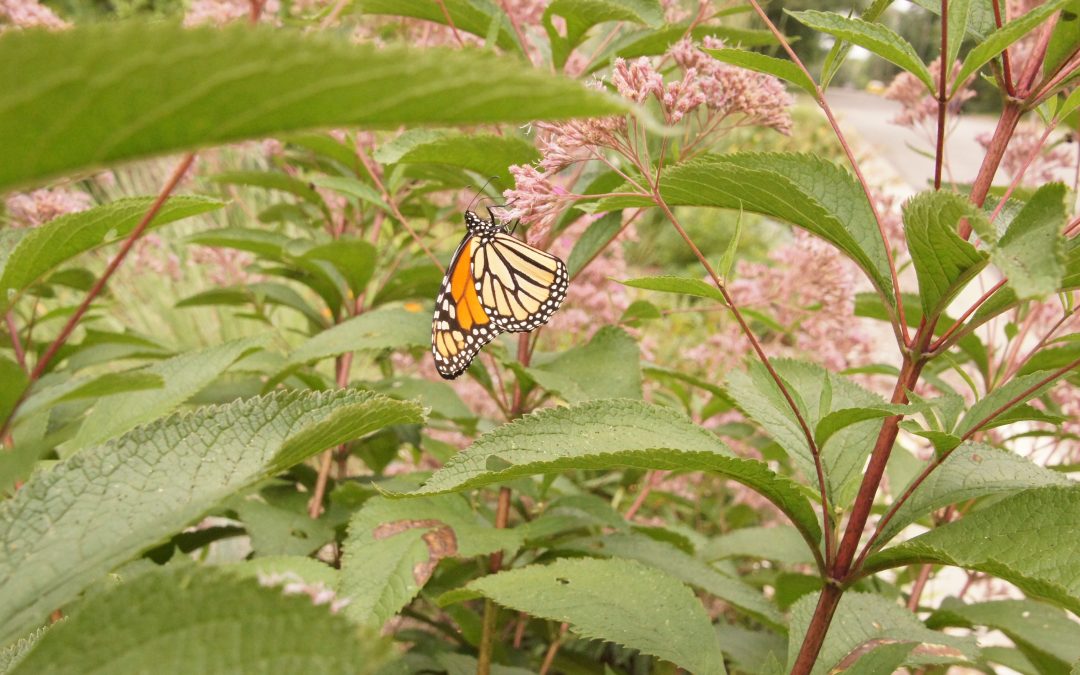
{"x": 494, "y": 283}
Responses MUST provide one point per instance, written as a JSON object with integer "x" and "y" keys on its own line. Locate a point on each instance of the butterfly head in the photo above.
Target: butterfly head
{"x": 478, "y": 227}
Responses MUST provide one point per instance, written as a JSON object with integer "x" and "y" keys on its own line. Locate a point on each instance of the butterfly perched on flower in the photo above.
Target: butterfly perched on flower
{"x": 494, "y": 283}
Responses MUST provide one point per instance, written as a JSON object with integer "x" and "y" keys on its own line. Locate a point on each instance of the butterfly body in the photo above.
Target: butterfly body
{"x": 494, "y": 284}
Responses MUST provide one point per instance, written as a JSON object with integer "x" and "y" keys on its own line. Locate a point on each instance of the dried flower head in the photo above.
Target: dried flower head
{"x": 1049, "y": 161}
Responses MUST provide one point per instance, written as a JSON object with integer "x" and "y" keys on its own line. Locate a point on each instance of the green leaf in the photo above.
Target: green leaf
{"x": 1040, "y": 630}
{"x": 271, "y": 180}
{"x": 608, "y": 366}
{"x": 145, "y": 84}
{"x": 781, "y": 543}
{"x": 845, "y": 417}
{"x": 13, "y": 383}
{"x": 804, "y": 190}
{"x": 34, "y": 253}
{"x": 944, "y": 262}
{"x": 439, "y": 397}
{"x": 352, "y": 258}
{"x": 394, "y": 545}
{"x": 607, "y": 434}
{"x": 684, "y": 567}
{"x": 120, "y": 631}
{"x": 184, "y": 376}
{"x": 598, "y": 235}
{"x": 682, "y": 285}
{"x": 104, "y": 505}
{"x": 1064, "y": 39}
{"x": 989, "y": 405}
{"x": 1031, "y": 539}
{"x": 277, "y": 531}
{"x": 820, "y": 392}
{"x": 762, "y": 63}
{"x": 614, "y": 600}
{"x": 471, "y": 16}
{"x": 997, "y": 41}
{"x": 378, "y": 329}
{"x": 418, "y": 281}
{"x": 864, "y": 621}
{"x": 840, "y": 49}
{"x": 1030, "y": 253}
{"x": 874, "y": 37}
{"x": 263, "y": 292}
{"x": 47, "y": 394}
{"x": 486, "y": 154}
{"x": 972, "y": 470}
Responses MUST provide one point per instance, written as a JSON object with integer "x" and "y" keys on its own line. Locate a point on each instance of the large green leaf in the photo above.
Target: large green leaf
{"x": 804, "y": 190}
{"x": 970, "y": 471}
{"x": 607, "y": 366}
{"x": 864, "y": 621}
{"x": 997, "y": 41}
{"x": 186, "y": 619}
{"x": 608, "y": 434}
{"x": 486, "y": 154}
{"x": 944, "y": 262}
{"x": 780, "y": 543}
{"x": 681, "y": 565}
{"x": 33, "y": 253}
{"x": 1040, "y": 630}
{"x": 874, "y": 37}
{"x": 1031, "y": 539}
{"x": 615, "y": 600}
{"x": 394, "y": 545}
{"x": 68, "y": 527}
{"x": 118, "y": 91}
{"x": 1030, "y": 253}
{"x": 184, "y": 376}
{"x": 375, "y": 330}
{"x": 818, "y": 393}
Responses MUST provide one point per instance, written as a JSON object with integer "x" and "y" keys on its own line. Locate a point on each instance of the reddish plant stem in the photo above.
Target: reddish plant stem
{"x": 1006, "y": 62}
{"x": 963, "y": 317}
{"x": 942, "y": 101}
{"x": 553, "y": 649}
{"x": 918, "y": 587}
{"x": 16, "y": 343}
{"x": 315, "y": 506}
{"x": 450, "y": 22}
{"x": 824, "y": 105}
{"x": 491, "y": 611}
{"x": 99, "y": 285}
{"x": 651, "y": 480}
{"x": 1010, "y": 117}
{"x": 841, "y": 567}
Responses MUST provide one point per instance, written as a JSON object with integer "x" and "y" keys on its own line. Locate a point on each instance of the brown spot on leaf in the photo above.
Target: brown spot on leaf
{"x": 440, "y": 539}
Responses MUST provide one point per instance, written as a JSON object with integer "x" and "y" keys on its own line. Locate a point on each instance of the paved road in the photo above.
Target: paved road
{"x": 870, "y": 116}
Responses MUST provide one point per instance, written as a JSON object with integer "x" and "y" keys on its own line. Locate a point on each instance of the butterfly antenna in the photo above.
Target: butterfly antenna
{"x": 480, "y": 192}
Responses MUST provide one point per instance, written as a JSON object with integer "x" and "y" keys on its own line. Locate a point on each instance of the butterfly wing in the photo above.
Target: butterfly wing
{"x": 461, "y": 325}
{"x": 519, "y": 286}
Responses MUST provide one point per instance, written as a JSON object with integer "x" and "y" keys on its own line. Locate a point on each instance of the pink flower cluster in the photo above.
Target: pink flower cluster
{"x": 221, "y": 12}
{"x": 28, "y": 14}
{"x": 40, "y": 206}
{"x": 728, "y": 90}
{"x": 919, "y": 106}
{"x": 225, "y": 266}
